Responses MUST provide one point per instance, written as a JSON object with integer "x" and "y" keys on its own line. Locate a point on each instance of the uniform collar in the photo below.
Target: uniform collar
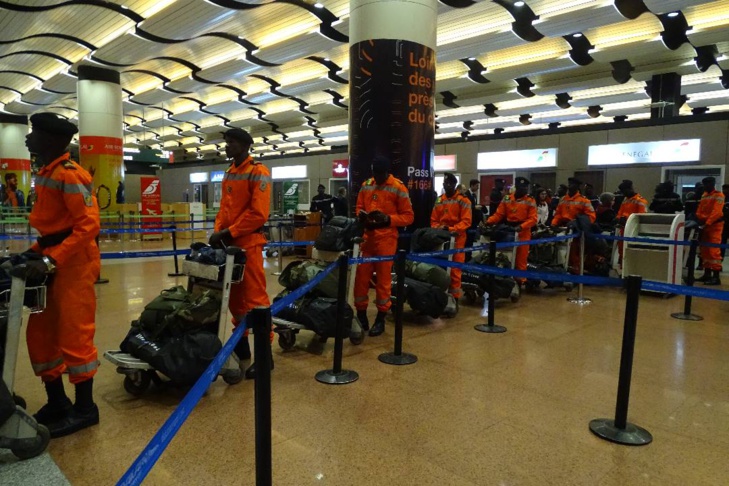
{"x": 455, "y": 195}
{"x": 55, "y": 162}
{"x": 243, "y": 164}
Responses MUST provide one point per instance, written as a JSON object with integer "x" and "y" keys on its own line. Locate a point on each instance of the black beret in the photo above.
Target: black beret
{"x": 708, "y": 181}
{"x": 240, "y": 135}
{"x": 521, "y": 182}
{"x": 626, "y": 184}
{"x": 53, "y": 124}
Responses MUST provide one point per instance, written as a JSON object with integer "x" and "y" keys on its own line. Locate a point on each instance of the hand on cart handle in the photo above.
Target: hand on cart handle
{"x": 34, "y": 269}
{"x": 220, "y": 239}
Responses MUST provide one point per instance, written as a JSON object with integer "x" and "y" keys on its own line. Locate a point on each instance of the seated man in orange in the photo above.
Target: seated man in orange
{"x": 520, "y": 211}
{"x": 710, "y": 216}
{"x": 633, "y": 203}
{"x": 383, "y": 204}
{"x": 569, "y": 207}
{"x": 452, "y": 212}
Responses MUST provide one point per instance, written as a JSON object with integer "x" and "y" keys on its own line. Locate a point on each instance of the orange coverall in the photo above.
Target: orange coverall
{"x": 455, "y": 213}
{"x": 391, "y": 198}
{"x": 634, "y": 205}
{"x": 568, "y": 209}
{"x": 524, "y": 212}
{"x": 244, "y": 209}
{"x": 710, "y": 212}
{"x": 62, "y": 337}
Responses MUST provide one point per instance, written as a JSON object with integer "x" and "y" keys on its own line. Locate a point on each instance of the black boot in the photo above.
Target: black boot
{"x": 58, "y": 406}
{"x": 379, "y": 326}
{"x": 251, "y": 371}
{"x": 243, "y": 349}
{"x": 706, "y": 276}
{"x": 84, "y": 413}
{"x": 363, "y": 321}
{"x": 714, "y": 279}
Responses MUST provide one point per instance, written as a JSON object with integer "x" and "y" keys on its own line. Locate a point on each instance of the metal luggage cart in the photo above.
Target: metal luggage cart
{"x": 550, "y": 256}
{"x": 139, "y": 374}
{"x": 280, "y": 229}
{"x": 20, "y": 433}
{"x": 287, "y": 330}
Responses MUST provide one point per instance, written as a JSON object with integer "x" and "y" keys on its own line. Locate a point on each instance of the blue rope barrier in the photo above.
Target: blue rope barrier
{"x": 142, "y": 254}
{"x": 372, "y": 259}
{"x": 659, "y": 241}
{"x": 26, "y": 237}
{"x": 273, "y": 244}
{"x": 141, "y": 466}
{"x": 504, "y": 272}
{"x": 685, "y": 290}
{"x": 539, "y": 241}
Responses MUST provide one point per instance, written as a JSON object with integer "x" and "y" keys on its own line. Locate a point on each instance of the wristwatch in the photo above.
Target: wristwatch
{"x": 49, "y": 264}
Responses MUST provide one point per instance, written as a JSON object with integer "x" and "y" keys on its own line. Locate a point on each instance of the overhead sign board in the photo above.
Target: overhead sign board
{"x": 198, "y": 177}
{"x": 517, "y": 159}
{"x": 444, "y": 163}
{"x": 149, "y": 156}
{"x": 217, "y": 176}
{"x": 289, "y": 172}
{"x": 340, "y": 168}
{"x": 646, "y": 152}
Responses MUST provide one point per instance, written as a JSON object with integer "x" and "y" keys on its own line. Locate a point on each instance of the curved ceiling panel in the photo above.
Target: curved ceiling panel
{"x": 663, "y": 6}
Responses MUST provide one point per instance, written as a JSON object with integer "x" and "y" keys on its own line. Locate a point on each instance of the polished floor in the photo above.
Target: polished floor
{"x": 476, "y": 409}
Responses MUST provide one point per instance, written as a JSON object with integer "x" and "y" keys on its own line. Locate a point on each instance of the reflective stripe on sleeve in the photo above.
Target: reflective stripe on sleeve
{"x": 248, "y": 176}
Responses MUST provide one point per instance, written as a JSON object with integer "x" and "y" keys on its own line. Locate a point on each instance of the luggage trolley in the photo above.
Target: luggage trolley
{"x": 139, "y": 374}
{"x": 287, "y": 330}
{"x": 20, "y": 433}
{"x": 549, "y": 257}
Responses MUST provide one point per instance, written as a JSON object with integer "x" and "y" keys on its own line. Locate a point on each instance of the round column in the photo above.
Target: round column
{"x": 101, "y": 131}
{"x": 14, "y": 156}
{"x": 391, "y": 95}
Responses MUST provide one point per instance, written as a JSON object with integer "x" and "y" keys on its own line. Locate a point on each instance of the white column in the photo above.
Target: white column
{"x": 14, "y": 156}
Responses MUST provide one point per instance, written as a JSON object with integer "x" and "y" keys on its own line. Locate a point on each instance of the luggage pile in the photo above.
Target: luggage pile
{"x": 317, "y": 310}
{"x": 476, "y": 284}
{"x": 550, "y": 257}
{"x": 337, "y": 234}
{"x": 177, "y": 334}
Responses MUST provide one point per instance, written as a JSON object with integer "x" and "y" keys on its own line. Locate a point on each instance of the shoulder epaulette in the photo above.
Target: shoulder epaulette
{"x": 438, "y": 199}
{"x": 67, "y": 164}
{"x": 506, "y": 199}
{"x": 369, "y": 182}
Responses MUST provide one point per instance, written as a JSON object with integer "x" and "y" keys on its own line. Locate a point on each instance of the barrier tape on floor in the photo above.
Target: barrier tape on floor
{"x": 143, "y": 464}
{"x": 529, "y": 275}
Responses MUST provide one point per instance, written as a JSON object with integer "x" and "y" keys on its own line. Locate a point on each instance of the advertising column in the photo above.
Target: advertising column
{"x": 14, "y": 159}
{"x": 101, "y": 140}
{"x": 391, "y": 95}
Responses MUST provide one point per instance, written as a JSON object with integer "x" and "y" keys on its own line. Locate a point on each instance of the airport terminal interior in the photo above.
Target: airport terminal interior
{"x": 551, "y": 91}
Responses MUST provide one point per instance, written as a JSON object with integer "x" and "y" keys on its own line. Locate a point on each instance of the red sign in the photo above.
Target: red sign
{"x": 340, "y": 169}
{"x": 15, "y": 164}
{"x": 151, "y": 202}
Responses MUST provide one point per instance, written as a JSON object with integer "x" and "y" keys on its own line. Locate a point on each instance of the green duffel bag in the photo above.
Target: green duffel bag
{"x": 168, "y": 301}
{"x": 425, "y": 272}
{"x": 299, "y": 273}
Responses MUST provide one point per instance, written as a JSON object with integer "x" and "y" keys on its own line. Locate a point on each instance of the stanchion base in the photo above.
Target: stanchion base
{"x": 174, "y": 274}
{"x": 495, "y": 329}
{"x": 401, "y": 359}
{"x": 276, "y": 273}
{"x": 579, "y": 300}
{"x": 631, "y": 435}
{"x": 686, "y": 317}
{"x": 329, "y": 377}
{"x": 101, "y": 280}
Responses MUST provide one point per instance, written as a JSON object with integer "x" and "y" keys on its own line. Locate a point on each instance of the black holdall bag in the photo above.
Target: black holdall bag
{"x": 424, "y": 297}
{"x": 429, "y": 239}
{"x": 337, "y": 235}
{"x": 318, "y": 314}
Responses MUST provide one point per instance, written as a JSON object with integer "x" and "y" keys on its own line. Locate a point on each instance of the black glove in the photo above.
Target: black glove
{"x": 31, "y": 270}
{"x": 378, "y": 219}
{"x": 220, "y": 238}
{"x": 362, "y": 218}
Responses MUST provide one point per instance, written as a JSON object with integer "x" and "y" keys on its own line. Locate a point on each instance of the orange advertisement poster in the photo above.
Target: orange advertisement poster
{"x": 103, "y": 157}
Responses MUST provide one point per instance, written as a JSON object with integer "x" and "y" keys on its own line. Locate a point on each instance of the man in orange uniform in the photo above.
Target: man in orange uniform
{"x": 383, "y": 204}
{"x": 569, "y": 208}
{"x": 62, "y": 337}
{"x": 452, "y": 212}
{"x": 520, "y": 211}
{"x": 244, "y": 209}
{"x": 633, "y": 203}
{"x": 710, "y": 215}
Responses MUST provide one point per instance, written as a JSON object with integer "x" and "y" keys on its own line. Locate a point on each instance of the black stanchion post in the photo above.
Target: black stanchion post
{"x": 260, "y": 319}
{"x": 177, "y": 272}
{"x": 336, "y": 375}
{"x": 581, "y": 299}
{"x": 100, "y": 279}
{"x": 490, "y": 327}
{"x": 620, "y": 430}
{"x": 398, "y": 357}
{"x": 687, "y": 315}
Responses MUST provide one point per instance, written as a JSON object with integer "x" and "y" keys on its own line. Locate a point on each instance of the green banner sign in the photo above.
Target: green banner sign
{"x": 290, "y": 196}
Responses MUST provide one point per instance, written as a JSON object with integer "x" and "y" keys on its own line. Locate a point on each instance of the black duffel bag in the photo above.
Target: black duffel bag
{"x": 424, "y": 297}
{"x": 318, "y": 314}
{"x": 183, "y": 359}
{"x": 503, "y": 286}
{"x": 337, "y": 235}
{"x": 429, "y": 239}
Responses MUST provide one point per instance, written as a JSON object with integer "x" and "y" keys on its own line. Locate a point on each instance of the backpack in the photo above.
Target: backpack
{"x": 175, "y": 311}
{"x": 425, "y": 298}
{"x": 429, "y": 239}
{"x": 299, "y": 273}
{"x": 318, "y": 314}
